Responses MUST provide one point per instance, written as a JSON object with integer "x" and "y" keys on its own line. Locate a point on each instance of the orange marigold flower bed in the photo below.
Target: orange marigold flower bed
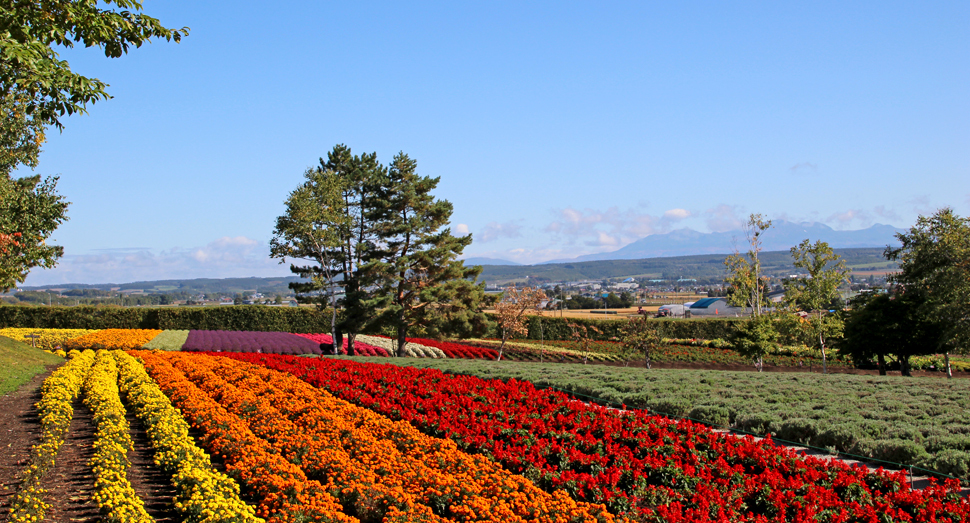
{"x": 283, "y": 493}
{"x": 113, "y": 339}
{"x": 377, "y": 468}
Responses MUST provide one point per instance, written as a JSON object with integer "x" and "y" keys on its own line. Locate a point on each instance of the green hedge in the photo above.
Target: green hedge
{"x": 237, "y": 317}
{"x": 555, "y": 328}
{"x": 304, "y": 319}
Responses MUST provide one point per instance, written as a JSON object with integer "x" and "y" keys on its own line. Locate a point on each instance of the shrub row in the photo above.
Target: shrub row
{"x": 304, "y": 319}
{"x": 556, "y": 328}
{"x": 238, "y": 318}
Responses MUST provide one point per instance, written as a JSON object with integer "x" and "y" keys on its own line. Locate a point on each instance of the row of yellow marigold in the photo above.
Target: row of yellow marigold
{"x": 81, "y": 339}
{"x": 55, "y": 410}
{"x": 203, "y": 494}
{"x": 47, "y": 339}
{"x": 117, "y": 499}
{"x": 377, "y": 468}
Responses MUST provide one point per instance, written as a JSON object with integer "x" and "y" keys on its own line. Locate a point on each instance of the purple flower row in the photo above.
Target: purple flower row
{"x": 249, "y": 341}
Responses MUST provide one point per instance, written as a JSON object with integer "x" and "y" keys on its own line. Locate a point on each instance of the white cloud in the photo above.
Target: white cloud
{"x": 604, "y": 228}
{"x": 723, "y": 218}
{"x": 677, "y": 214}
{"x": 461, "y": 229}
{"x": 495, "y": 230}
{"x": 846, "y": 219}
{"x": 226, "y": 257}
{"x": 604, "y": 240}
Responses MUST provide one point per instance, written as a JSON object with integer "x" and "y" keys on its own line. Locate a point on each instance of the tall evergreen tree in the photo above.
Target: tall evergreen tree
{"x": 363, "y": 178}
{"x": 329, "y": 221}
{"x": 416, "y": 262}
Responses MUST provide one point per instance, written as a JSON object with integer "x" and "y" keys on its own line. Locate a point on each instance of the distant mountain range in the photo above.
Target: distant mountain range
{"x": 269, "y": 286}
{"x": 782, "y": 235}
{"x": 487, "y": 261}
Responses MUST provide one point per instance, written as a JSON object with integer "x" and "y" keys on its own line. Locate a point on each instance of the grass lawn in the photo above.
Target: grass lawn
{"x": 20, "y": 362}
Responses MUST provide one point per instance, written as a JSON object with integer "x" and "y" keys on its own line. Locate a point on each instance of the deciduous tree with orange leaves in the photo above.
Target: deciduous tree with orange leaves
{"x": 513, "y": 305}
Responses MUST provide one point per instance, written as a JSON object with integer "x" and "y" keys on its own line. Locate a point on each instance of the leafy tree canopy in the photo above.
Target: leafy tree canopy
{"x": 37, "y": 89}
{"x": 30, "y": 211}
{"x": 934, "y": 260}
{"x": 881, "y": 325}
{"x": 815, "y": 294}
{"x": 34, "y": 79}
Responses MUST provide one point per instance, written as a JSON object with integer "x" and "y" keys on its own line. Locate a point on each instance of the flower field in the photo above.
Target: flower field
{"x": 47, "y": 339}
{"x": 249, "y": 341}
{"x": 922, "y": 422}
{"x": 361, "y": 348}
{"x": 310, "y": 439}
{"x": 646, "y": 467}
{"x": 711, "y": 352}
{"x": 112, "y": 339}
{"x": 412, "y": 349}
{"x": 677, "y": 351}
{"x": 205, "y": 495}
{"x": 460, "y": 350}
{"x": 320, "y": 457}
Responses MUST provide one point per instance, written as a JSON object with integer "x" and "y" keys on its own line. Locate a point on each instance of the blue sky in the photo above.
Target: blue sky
{"x": 558, "y": 129}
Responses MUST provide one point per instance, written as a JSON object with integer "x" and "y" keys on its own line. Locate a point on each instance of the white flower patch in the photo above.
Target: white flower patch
{"x": 413, "y": 350}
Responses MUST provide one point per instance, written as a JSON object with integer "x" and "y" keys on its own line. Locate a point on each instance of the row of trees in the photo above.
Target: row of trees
{"x": 377, "y": 235}
{"x": 803, "y": 316}
{"x": 925, "y": 311}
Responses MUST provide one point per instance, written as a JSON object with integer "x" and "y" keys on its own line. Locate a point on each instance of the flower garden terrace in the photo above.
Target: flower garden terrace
{"x": 638, "y": 466}
{"x": 596, "y": 465}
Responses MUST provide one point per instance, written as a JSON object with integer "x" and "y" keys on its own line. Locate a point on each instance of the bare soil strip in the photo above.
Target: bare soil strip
{"x": 19, "y": 430}
{"x": 153, "y": 486}
{"x": 71, "y": 483}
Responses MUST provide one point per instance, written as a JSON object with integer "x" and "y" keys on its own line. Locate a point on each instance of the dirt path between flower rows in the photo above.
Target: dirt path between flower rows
{"x": 70, "y": 484}
{"x": 19, "y": 429}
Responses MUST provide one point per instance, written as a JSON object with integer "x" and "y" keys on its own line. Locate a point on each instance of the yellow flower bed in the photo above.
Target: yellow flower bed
{"x": 56, "y": 411}
{"x": 204, "y": 495}
{"x": 112, "y": 441}
{"x": 49, "y": 340}
{"x": 113, "y": 339}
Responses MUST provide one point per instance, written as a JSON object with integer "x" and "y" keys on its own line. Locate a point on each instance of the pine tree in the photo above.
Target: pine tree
{"x": 415, "y": 264}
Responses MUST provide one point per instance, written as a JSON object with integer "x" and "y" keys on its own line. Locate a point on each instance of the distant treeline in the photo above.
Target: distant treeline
{"x": 705, "y": 268}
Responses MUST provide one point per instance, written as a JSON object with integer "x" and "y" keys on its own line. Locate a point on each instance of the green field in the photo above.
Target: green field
{"x": 19, "y": 363}
{"x": 168, "y": 340}
{"x": 924, "y": 422}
